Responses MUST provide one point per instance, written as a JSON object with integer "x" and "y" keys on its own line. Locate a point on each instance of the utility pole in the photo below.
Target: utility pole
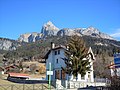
{"x": 49, "y": 77}
{"x": 49, "y": 73}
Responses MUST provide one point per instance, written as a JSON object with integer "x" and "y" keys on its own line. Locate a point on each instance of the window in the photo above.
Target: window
{"x": 83, "y": 77}
{"x": 88, "y": 72}
{"x": 58, "y": 51}
{"x": 62, "y": 74}
{"x": 57, "y": 76}
{"x": 55, "y": 52}
{"x": 89, "y": 77}
{"x": 56, "y": 60}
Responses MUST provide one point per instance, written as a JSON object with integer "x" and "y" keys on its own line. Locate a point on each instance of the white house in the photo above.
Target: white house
{"x": 54, "y": 56}
{"x": 115, "y": 65}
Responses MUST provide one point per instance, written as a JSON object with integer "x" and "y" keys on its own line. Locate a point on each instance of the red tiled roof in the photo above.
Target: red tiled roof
{"x": 18, "y": 75}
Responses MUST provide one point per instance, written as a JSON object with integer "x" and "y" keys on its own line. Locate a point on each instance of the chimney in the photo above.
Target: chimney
{"x": 52, "y": 45}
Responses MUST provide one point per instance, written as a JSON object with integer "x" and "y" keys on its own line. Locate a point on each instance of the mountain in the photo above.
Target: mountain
{"x": 49, "y": 29}
{"x": 7, "y": 44}
{"x": 30, "y": 37}
{"x": 91, "y": 31}
{"x": 69, "y": 32}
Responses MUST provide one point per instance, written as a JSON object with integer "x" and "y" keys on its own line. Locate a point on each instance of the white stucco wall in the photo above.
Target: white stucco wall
{"x": 60, "y": 61}
{"x": 52, "y": 59}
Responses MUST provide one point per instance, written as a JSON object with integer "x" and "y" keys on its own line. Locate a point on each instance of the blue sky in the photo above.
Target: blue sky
{"x": 23, "y": 16}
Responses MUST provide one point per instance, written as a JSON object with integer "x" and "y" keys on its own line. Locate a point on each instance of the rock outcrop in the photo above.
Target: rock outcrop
{"x": 30, "y": 37}
{"x": 6, "y": 44}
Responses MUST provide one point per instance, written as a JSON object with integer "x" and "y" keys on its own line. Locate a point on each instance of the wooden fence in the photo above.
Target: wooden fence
{"x": 25, "y": 87}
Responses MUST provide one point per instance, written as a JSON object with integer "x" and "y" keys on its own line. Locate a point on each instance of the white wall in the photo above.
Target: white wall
{"x": 55, "y": 66}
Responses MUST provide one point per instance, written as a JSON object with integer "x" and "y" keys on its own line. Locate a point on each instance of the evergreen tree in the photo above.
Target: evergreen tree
{"x": 75, "y": 57}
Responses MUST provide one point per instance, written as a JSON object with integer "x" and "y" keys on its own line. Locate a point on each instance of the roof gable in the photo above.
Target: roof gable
{"x": 91, "y": 52}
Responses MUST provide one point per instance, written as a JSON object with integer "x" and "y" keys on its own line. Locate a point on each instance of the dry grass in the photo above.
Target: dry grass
{"x": 37, "y": 75}
{"x": 34, "y": 66}
{"x": 24, "y": 86}
{"x": 3, "y": 82}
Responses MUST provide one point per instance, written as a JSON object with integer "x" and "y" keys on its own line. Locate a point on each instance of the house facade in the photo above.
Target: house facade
{"x": 54, "y": 56}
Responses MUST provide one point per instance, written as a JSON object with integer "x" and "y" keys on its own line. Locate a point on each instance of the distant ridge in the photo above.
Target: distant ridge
{"x": 49, "y": 29}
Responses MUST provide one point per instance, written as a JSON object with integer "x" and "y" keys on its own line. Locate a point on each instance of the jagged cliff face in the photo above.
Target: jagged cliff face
{"x": 6, "y": 44}
{"x": 49, "y": 29}
{"x": 30, "y": 37}
{"x": 24, "y": 37}
{"x": 69, "y": 32}
{"x": 91, "y": 31}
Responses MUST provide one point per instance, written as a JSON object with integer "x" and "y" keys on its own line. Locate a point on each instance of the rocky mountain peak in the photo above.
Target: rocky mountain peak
{"x": 50, "y": 26}
{"x": 49, "y": 23}
{"x": 49, "y": 29}
{"x": 90, "y": 30}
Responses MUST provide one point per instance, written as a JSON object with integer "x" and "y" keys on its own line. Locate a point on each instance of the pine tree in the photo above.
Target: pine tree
{"x": 75, "y": 57}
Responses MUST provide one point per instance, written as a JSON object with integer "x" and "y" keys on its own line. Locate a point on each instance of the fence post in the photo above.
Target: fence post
{"x": 33, "y": 86}
{"x": 11, "y": 87}
{"x": 74, "y": 85}
{"x": 23, "y": 87}
{"x": 42, "y": 86}
{"x": 79, "y": 84}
